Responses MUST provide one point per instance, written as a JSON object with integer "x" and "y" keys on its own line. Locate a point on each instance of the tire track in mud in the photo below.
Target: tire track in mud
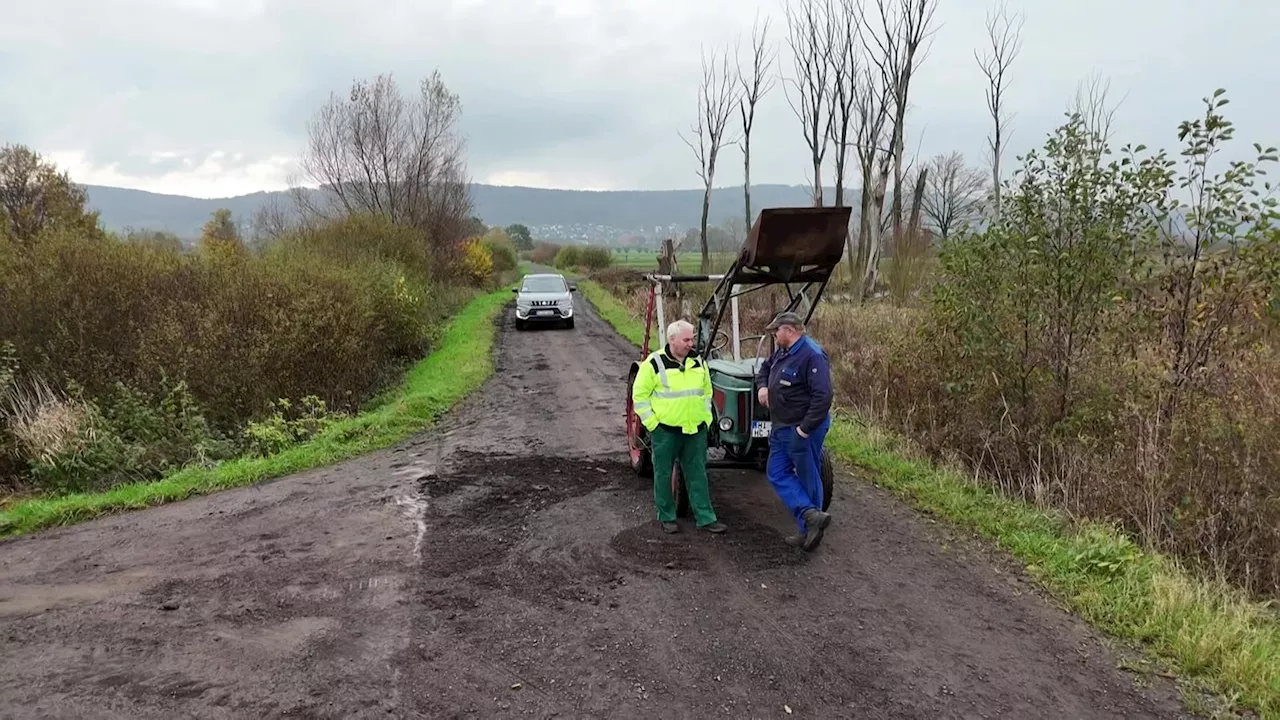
{"x": 507, "y": 565}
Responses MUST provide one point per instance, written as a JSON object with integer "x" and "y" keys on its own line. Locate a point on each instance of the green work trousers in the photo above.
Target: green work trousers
{"x": 670, "y": 445}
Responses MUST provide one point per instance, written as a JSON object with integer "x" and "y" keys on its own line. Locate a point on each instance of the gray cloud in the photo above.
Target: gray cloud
{"x": 570, "y": 93}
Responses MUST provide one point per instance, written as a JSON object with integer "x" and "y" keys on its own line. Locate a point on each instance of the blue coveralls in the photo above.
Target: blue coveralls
{"x": 799, "y": 382}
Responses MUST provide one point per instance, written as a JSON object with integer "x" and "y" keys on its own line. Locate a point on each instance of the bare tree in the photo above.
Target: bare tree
{"x": 811, "y": 37}
{"x": 952, "y": 193}
{"x": 872, "y": 102}
{"x": 716, "y": 99}
{"x": 1004, "y": 32}
{"x": 271, "y": 221}
{"x": 753, "y": 87}
{"x": 895, "y": 48}
{"x": 1091, "y": 104}
{"x": 378, "y": 152}
{"x": 845, "y": 58}
{"x": 906, "y": 25}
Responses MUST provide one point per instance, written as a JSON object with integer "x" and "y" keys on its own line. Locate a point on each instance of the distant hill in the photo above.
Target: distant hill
{"x": 605, "y": 212}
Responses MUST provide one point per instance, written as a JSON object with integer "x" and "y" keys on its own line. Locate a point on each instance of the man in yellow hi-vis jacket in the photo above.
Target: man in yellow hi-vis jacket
{"x": 672, "y": 397}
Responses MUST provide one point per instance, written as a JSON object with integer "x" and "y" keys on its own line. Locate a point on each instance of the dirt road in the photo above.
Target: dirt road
{"x": 508, "y": 566}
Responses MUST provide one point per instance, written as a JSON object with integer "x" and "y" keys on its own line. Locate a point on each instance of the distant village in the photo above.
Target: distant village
{"x": 648, "y": 238}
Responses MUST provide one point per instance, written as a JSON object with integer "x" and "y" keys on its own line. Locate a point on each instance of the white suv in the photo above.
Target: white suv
{"x": 544, "y": 298}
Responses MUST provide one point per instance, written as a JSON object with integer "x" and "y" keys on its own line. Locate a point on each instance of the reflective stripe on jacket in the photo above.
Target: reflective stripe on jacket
{"x": 667, "y": 392}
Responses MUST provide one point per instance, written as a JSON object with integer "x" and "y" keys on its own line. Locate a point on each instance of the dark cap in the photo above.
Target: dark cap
{"x": 785, "y": 318}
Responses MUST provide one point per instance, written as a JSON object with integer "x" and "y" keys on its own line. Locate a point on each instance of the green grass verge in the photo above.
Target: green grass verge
{"x": 459, "y": 365}
{"x": 1207, "y": 633}
{"x": 612, "y": 311}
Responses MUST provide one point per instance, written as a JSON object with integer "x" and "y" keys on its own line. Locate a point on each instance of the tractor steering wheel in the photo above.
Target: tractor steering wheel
{"x": 718, "y": 345}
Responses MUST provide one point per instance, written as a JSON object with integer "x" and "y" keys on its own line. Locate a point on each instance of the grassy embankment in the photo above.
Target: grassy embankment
{"x": 1206, "y": 633}
{"x": 457, "y": 367}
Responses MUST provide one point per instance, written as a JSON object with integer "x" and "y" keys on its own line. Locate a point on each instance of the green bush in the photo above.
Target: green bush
{"x": 122, "y": 436}
{"x": 568, "y": 257}
{"x": 156, "y": 356}
{"x": 588, "y": 258}
{"x": 288, "y": 425}
{"x": 502, "y": 250}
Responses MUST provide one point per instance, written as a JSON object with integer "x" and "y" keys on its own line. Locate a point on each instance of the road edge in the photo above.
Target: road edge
{"x": 425, "y": 394}
{"x": 1222, "y": 648}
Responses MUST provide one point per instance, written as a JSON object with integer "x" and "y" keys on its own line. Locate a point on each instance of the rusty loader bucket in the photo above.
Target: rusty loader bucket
{"x": 795, "y": 244}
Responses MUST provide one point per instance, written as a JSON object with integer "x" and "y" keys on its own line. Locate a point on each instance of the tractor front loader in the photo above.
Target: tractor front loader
{"x": 796, "y": 247}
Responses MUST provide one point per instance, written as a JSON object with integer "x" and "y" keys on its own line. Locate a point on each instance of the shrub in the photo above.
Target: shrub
{"x": 502, "y": 251}
{"x": 544, "y": 253}
{"x": 477, "y": 262}
{"x": 588, "y": 258}
{"x": 568, "y": 257}
{"x": 1085, "y": 357}
{"x": 333, "y": 311}
{"x": 595, "y": 258}
{"x": 288, "y": 425}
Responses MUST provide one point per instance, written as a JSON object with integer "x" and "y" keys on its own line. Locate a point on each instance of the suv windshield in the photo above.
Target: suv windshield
{"x": 543, "y": 285}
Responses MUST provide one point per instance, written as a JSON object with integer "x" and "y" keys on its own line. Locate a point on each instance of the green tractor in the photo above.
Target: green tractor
{"x": 798, "y": 248}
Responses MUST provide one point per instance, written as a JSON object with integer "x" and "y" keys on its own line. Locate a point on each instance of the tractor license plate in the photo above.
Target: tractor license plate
{"x": 761, "y": 428}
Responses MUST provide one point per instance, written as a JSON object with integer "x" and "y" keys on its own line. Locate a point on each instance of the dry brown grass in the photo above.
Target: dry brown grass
{"x": 44, "y": 422}
{"x": 1206, "y": 491}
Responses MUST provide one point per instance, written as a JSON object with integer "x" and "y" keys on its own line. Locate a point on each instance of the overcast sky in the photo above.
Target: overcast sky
{"x": 211, "y": 97}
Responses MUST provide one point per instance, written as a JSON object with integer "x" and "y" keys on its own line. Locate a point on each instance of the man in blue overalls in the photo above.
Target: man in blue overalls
{"x": 795, "y": 384}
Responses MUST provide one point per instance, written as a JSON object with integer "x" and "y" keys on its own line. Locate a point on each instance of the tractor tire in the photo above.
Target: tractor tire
{"x": 638, "y": 449}
{"x": 642, "y": 462}
{"x": 826, "y": 470}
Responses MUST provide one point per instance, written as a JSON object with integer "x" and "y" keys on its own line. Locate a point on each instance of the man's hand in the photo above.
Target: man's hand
{"x": 763, "y": 396}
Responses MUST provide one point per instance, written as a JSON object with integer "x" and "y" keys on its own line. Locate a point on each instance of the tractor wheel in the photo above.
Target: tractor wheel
{"x": 638, "y": 450}
{"x": 827, "y": 472}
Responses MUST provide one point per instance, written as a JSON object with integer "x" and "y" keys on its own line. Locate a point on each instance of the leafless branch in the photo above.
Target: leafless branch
{"x": 951, "y": 194}
{"x": 717, "y": 96}
{"x": 895, "y": 47}
{"x": 1004, "y": 33}
{"x": 1090, "y": 103}
{"x": 752, "y": 88}
{"x": 845, "y": 57}
{"x": 378, "y": 152}
{"x": 811, "y": 36}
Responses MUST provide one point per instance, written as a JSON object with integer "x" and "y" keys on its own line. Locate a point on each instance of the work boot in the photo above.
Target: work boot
{"x": 795, "y": 541}
{"x": 670, "y": 527}
{"x": 815, "y": 522}
{"x": 715, "y": 527}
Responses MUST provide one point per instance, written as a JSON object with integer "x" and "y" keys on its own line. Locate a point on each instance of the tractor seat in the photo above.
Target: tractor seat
{"x": 741, "y": 369}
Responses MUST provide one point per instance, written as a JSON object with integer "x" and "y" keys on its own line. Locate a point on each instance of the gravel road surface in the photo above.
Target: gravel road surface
{"x": 507, "y": 565}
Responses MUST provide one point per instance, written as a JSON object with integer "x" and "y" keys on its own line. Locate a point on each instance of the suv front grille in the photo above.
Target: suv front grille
{"x": 542, "y": 303}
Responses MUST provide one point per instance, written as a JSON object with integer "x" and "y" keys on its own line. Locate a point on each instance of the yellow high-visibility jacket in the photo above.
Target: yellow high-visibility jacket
{"x": 672, "y": 393}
